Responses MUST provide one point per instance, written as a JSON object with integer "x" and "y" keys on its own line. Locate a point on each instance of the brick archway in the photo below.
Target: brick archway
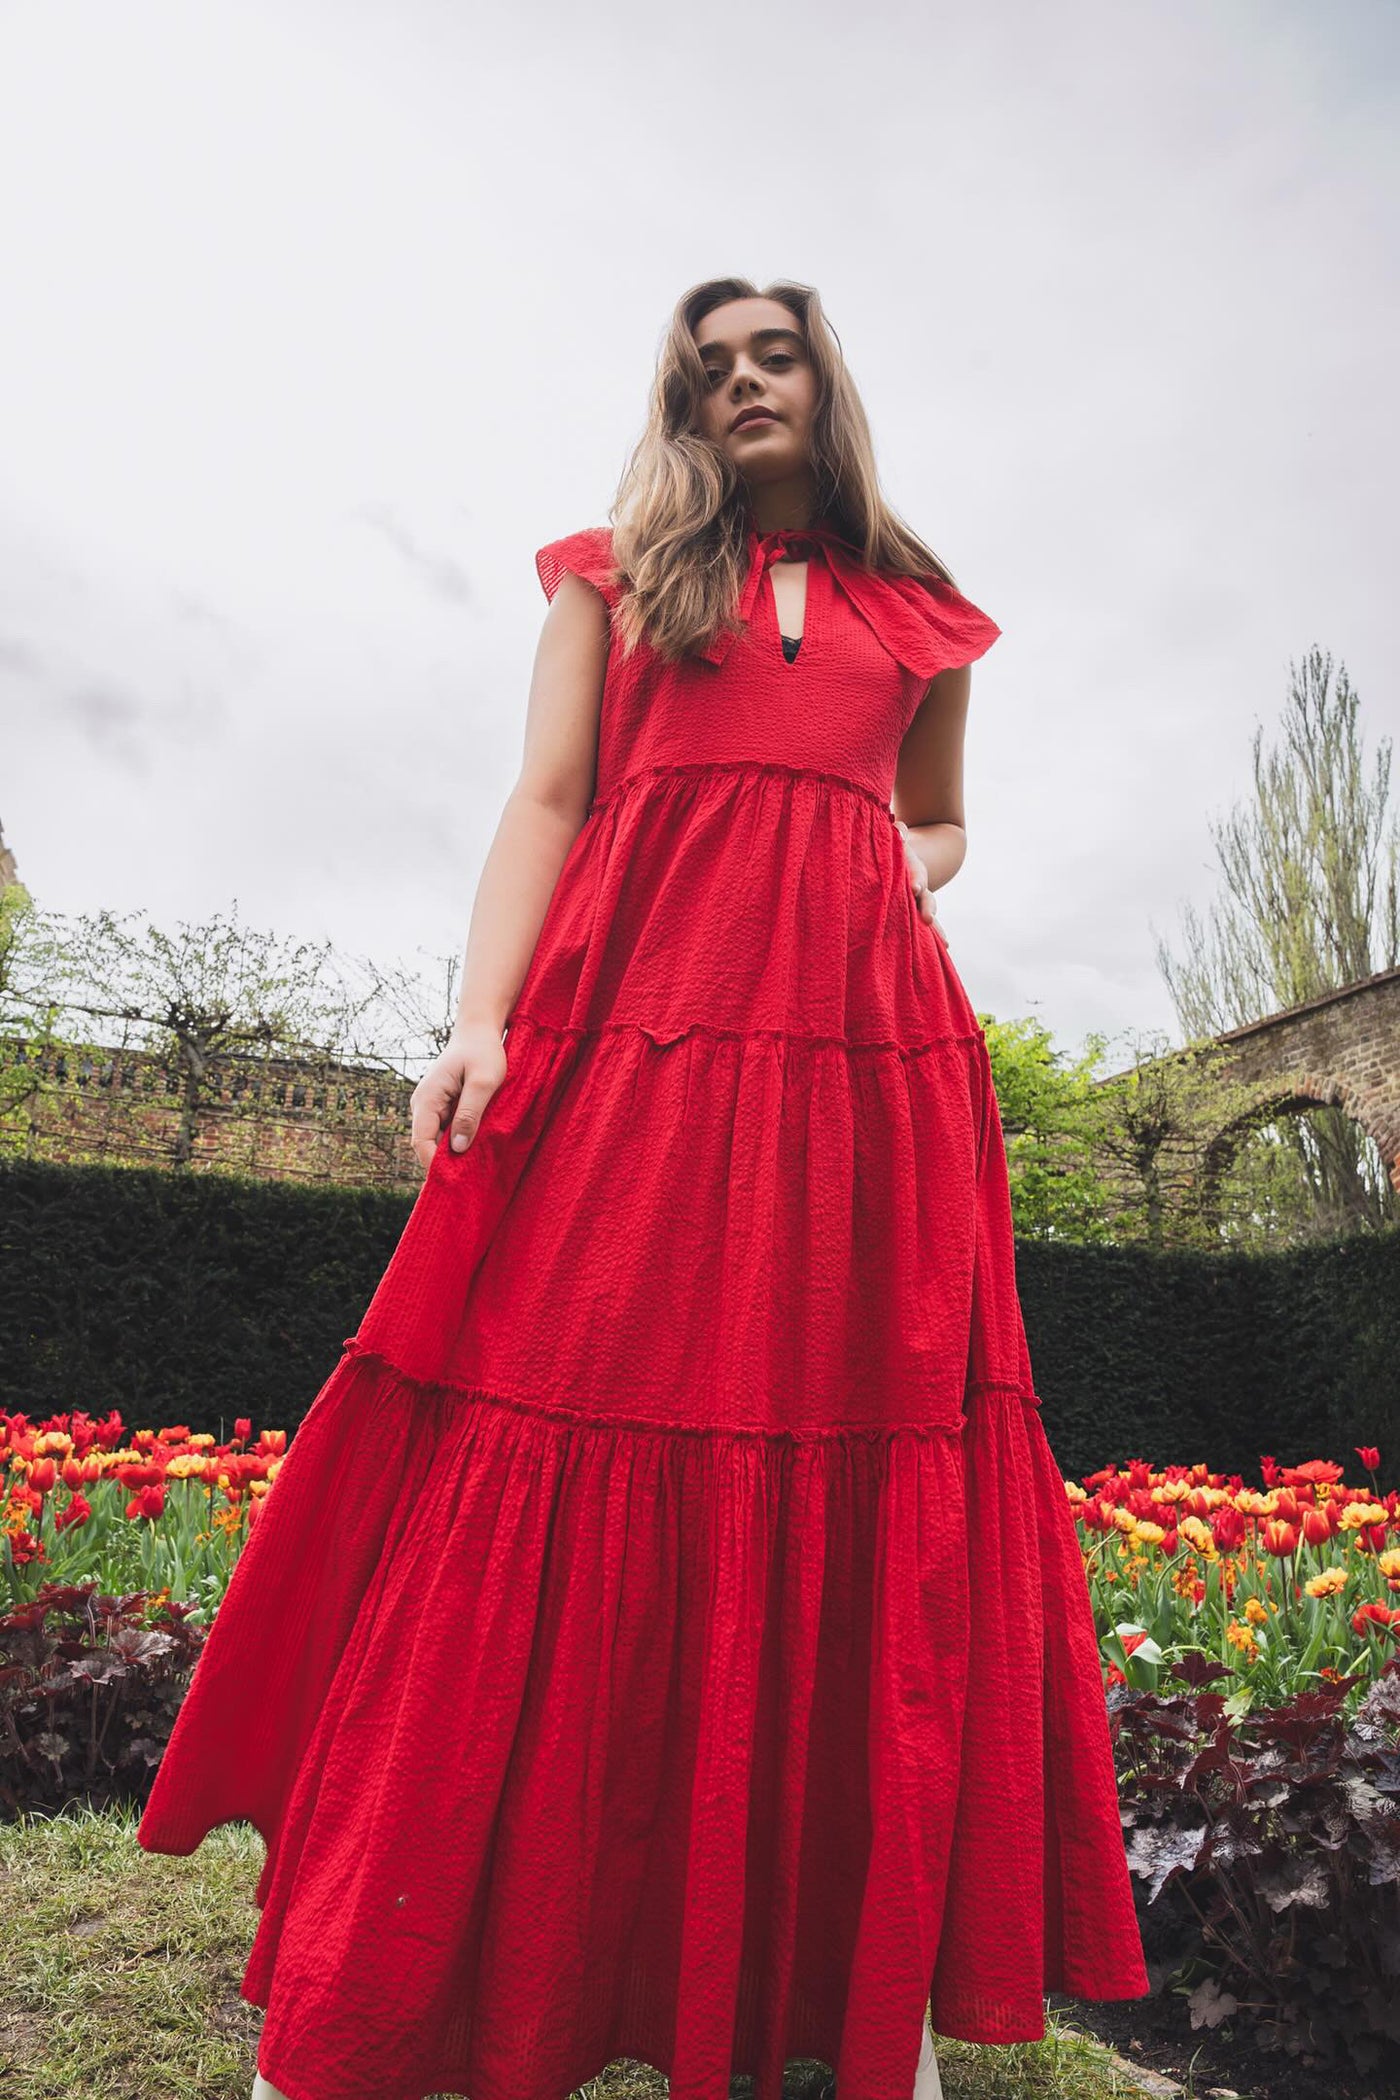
{"x": 1340, "y": 1050}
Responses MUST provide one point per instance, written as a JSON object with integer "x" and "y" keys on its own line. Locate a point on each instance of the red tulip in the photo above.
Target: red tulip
{"x": 139, "y": 1474}
{"x": 76, "y": 1510}
{"x": 1227, "y": 1527}
{"x": 1378, "y": 1615}
{"x": 1311, "y": 1472}
{"x": 1317, "y": 1527}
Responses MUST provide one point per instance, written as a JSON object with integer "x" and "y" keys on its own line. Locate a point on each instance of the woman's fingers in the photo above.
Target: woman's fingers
{"x": 918, "y": 880}
{"x": 453, "y": 1093}
{"x": 432, "y": 1104}
{"x": 466, "y": 1120}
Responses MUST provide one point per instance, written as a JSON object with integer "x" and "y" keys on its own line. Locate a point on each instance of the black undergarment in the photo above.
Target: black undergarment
{"x": 791, "y": 644}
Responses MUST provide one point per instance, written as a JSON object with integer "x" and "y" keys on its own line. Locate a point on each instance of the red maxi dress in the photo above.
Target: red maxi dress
{"x": 667, "y": 1635}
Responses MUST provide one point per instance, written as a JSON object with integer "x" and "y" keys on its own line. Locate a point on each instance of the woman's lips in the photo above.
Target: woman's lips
{"x": 755, "y": 422}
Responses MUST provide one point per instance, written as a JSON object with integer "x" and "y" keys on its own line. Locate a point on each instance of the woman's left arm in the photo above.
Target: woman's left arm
{"x": 928, "y": 786}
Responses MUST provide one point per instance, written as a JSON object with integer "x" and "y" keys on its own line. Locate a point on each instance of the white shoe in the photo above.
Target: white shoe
{"x": 927, "y": 2083}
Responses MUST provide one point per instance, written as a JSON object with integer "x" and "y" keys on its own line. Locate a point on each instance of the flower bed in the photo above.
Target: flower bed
{"x": 163, "y": 1510}
{"x": 1294, "y": 1586}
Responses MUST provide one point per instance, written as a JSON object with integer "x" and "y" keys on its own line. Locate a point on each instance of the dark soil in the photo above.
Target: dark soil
{"x": 1157, "y": 2033}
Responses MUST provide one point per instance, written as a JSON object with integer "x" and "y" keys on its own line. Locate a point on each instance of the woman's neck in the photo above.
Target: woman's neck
{"x": 783, "y": 506}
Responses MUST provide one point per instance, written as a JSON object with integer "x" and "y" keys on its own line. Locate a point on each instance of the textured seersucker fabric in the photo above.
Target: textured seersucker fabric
{"x": 667, "y": 1635}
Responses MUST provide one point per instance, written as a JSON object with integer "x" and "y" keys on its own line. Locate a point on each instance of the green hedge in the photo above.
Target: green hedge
{"x": 196, "y": 1300}
{"x": 1224, "y": 1357}
{"x": 172, "y": 1298}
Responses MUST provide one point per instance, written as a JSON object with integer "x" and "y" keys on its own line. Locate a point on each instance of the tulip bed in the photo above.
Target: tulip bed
{"x": 1294, "y": 1584}
{"x": 164, "y": 1511}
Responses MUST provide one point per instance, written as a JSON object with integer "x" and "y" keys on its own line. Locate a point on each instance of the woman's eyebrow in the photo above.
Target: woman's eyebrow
{"x": 760, "y": 335}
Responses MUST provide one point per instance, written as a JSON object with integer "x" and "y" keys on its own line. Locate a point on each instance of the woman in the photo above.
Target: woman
{"x": 669, "y": 1627}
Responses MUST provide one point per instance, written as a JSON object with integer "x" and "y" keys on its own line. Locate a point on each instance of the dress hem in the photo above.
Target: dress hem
{"x": 684, "y": 1632}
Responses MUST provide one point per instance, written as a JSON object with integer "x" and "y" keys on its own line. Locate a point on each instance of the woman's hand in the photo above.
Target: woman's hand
{"x": 457, "y": 1084}
{"x": 918, "y": 876}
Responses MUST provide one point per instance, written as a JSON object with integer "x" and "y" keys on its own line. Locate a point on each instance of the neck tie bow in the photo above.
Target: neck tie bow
{"x": 793, "y": 542}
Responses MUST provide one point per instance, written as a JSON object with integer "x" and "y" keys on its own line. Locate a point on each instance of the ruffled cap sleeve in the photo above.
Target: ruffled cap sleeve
{"x": 926, "y": 624}
{"x": 587, "y": 554}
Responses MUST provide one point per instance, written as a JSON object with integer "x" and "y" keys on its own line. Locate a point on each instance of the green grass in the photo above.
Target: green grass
{"x": 119, "y": 1975}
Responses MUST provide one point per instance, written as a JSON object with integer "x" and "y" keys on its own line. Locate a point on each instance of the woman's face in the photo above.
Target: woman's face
{"x": 757, "y": 369}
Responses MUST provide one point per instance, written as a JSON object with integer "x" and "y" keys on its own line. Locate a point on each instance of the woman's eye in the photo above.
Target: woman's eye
{"x": 775, "y": 357}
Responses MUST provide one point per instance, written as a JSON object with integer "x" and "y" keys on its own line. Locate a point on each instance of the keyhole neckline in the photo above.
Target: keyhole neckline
{"x": 774, "y": 635}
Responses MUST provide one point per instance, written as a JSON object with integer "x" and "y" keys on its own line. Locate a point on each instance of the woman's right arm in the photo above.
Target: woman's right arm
{"x": 543, "y": 815}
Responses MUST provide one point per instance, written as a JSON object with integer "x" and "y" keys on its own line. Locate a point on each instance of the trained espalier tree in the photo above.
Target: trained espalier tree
{"x": 1152, "y": 1127}
{"x": 203, "y": 1000}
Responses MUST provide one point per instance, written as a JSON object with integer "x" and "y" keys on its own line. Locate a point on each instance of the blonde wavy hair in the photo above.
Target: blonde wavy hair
{"x": 680, "y": 516}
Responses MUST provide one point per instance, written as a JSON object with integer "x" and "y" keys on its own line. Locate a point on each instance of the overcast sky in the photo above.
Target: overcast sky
{"x": 322, "y": 315}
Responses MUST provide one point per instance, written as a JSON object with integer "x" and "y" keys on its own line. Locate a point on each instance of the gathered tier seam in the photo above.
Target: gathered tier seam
{"x": 590, "y": 1422}
{"x": 684, "y": 769}
{"x": 743, "y": 1035}
{"x": 976, "y": 1387}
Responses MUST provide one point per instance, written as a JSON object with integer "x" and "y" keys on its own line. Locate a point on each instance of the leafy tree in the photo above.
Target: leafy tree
{"x": 29, "y": 956}
{"x": 1049, "y": 1120}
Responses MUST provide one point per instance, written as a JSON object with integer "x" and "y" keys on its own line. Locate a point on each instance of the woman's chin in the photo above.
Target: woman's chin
{"x": 767, "y": 462}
